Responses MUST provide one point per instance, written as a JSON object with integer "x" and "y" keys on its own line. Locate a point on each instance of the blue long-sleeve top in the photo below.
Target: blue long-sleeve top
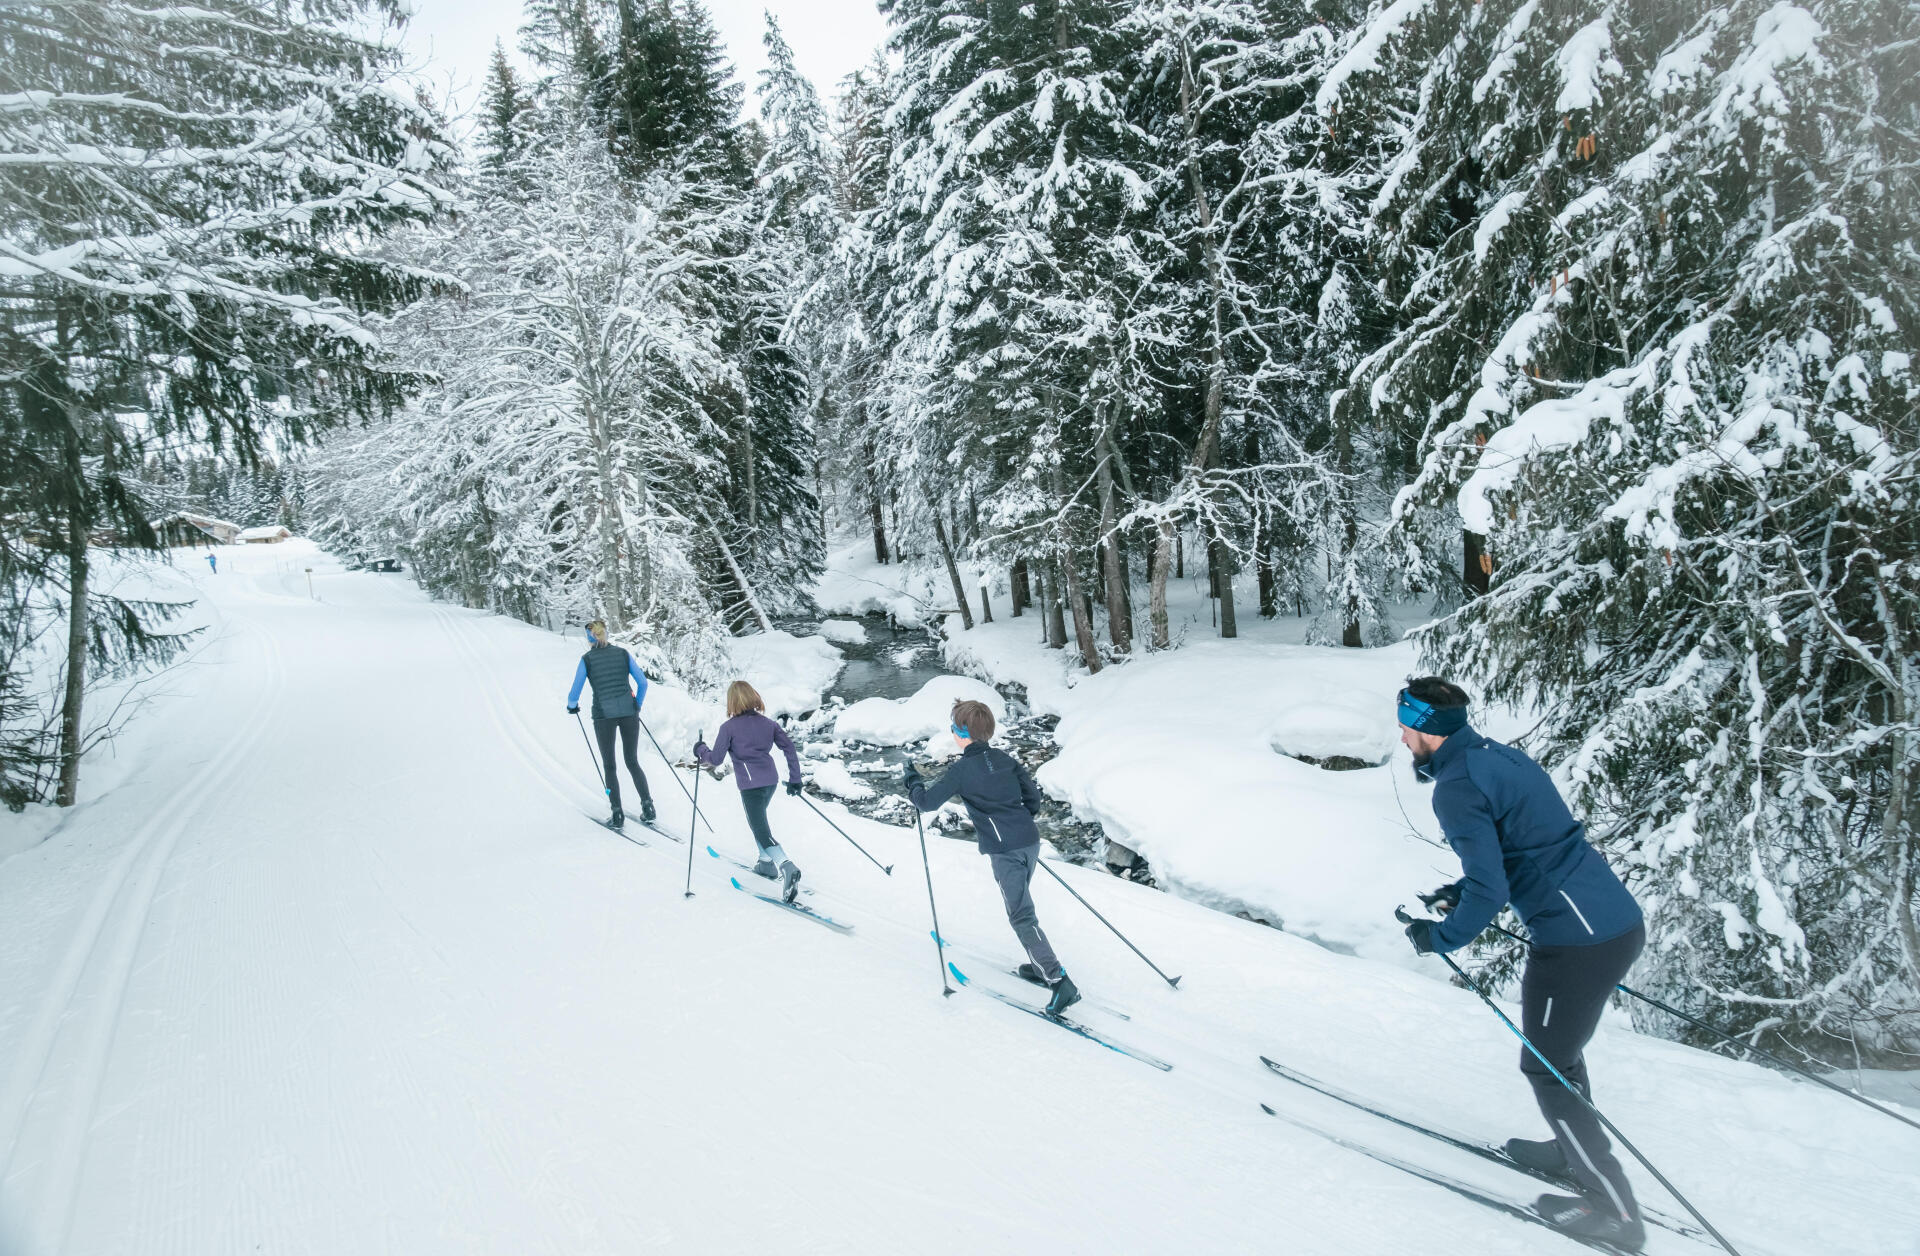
{"x": 633, "y": 670}
{"x": 1519, "y": 844}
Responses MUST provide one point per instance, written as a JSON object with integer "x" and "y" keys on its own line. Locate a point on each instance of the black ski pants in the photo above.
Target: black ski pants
{"x": 1562, "y": 993}
{"x": 628, "y": 726}
{"x": 755, "y": 801}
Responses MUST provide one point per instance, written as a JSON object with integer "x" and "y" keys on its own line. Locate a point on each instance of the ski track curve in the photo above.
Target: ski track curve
{"x": 103, "y": 955}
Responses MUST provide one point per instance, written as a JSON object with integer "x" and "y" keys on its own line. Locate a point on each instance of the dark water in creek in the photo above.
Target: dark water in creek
{"x": 895, "y": 663}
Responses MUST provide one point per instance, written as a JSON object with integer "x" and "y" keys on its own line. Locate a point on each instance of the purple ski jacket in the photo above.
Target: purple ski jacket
{"x": 750, "y": 737}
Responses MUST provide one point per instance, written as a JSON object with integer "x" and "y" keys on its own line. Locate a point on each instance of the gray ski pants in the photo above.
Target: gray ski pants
{"x": 1013, "y": 872}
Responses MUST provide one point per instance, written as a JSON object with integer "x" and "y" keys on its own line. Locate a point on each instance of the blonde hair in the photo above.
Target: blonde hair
{"x": 741, "y": 698}
{"x": 598, "y": 628}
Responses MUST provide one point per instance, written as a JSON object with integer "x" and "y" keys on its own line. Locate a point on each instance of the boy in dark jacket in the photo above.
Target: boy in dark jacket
{"x": 1001, "y": 800}
{"x": 1519, "y": 844}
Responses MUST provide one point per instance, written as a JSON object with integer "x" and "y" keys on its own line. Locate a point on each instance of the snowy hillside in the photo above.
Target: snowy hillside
{"x": 341, "y": 964}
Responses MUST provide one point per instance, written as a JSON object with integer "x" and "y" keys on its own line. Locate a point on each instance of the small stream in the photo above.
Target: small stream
{"x": 895, "y": 663}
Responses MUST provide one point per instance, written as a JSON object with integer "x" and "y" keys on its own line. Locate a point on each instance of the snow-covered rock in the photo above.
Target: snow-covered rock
{"x": 791, "y": 673}
{"x": 890, "y": 722}
{"x": 844, "y": 631}
{"x": 833, "y": 777}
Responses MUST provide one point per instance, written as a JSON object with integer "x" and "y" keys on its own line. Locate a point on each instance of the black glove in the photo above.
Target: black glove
{"x": 1444, "y": 899}
{"x": 700, "y": 750}
{"x": 1420, "y": 933}
{"x": 793, "y": 788}
{"x": 573, "y": 710}
{"x": 911, "y": 778}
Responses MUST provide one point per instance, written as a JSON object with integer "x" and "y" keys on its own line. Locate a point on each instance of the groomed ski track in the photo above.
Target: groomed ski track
{"x": 332, "y": 963}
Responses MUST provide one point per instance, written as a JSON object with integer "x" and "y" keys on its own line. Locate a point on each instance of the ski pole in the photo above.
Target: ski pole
{"x": 940, "y": 948}
{"x": 1400, "y": 913}
{"x": 886, "y": 868}
{"x": 694, "y": 797}
{"x": 1171, "y": 981}
{"x": 1728, "y": 1038}
{"x": 595, "y": 757}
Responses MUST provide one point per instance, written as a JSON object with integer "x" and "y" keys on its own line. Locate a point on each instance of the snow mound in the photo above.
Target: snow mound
{"x": 854, "y": 584}
{"x": 832, "y": 776}
{"x": 1321, "y": 730}
{"x": 791, "y": 673}
{"x": 887, "y": 722}
{"x": 844, "y": 631}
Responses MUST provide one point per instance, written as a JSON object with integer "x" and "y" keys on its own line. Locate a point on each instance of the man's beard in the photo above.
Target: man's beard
{"x": 1423, "y": 768}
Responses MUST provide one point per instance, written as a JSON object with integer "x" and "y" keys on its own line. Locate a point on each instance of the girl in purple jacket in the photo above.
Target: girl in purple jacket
{"x": 749, "y": 736}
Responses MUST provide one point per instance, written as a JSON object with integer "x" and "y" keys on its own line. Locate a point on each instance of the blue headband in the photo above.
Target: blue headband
{"x": 1424, "y": 717}
{"x": 960, "y": 732}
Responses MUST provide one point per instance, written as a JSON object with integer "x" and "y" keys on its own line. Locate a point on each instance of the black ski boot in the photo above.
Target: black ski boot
{"x": 647, "y": 813}
{"x": 1541, "y": 1155}
{"x": 619, "y": 819}
{"x": 1029, "y": 972}
{"x": 1065, "y": 995}
{"x": 1571, "y": 1214}
{"x": 765, "y": 868}
{"x": 789, "y": 881}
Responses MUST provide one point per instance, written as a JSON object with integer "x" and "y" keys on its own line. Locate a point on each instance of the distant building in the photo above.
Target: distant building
{"x": 264, "y": 536}
{"x": 187, "y": 528}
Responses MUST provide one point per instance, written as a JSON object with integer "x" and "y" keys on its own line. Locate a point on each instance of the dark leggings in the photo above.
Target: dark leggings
{"x": 755, "y": 801}
{"x": 1562, "y": 993}
{"x": 629, "y": 728}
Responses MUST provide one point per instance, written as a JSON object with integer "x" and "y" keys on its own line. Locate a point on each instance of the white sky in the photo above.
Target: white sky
{"x": 451, "y": 40}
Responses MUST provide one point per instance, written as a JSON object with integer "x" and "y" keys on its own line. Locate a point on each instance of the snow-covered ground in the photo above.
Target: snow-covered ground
{"x": 339, "y": 964}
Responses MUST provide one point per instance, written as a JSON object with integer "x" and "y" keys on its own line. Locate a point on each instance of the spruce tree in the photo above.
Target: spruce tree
{"x": 1685, "y": 444}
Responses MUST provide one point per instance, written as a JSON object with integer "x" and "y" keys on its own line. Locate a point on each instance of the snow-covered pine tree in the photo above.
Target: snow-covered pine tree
{"x": 1691, "y": 452}
{"x": 183, "y": 215}
{"x": 503, "y": 110}
{"x": 1260, "y": 290}
{"x": 1013, "y": 176}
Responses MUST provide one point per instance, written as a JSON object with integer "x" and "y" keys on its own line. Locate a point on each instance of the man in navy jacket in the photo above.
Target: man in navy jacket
{"x": 1519, "y": 844}
{"x": 1001, "y": 800}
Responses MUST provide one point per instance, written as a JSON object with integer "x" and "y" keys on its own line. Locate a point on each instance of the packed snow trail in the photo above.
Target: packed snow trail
{"x": 337, "y": 964}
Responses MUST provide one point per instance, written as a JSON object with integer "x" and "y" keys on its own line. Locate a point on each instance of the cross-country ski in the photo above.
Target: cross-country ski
{"x": 1355, "y": 556}
{"x": 1072, "y": 1027}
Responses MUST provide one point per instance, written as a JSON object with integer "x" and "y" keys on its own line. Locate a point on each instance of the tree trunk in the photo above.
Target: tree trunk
{"x": 1350, "y": 629}
{"x": 610, "y": 522}
{"x": 1056, "y": 611}
{"x": 1017, "y": 590}
{"x": 1218, "y": 559}
{"x": 1119, "y": 625}
{"x": 953, "y": 571}
{"x": 986, "y": 607}
{"x": 1082, "y": 619}
{"x": 1264, "y": 570}
{"x": 1163, "y": 557}
{"x": 1477, "y": 571}
{"x": 739, "y": 576}
{"x": 1179, "y": 557}
{"x": 76, "y": 688}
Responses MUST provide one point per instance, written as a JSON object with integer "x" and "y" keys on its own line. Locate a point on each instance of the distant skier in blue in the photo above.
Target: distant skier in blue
{"x": 616, "y": 708}
{"x": 1519, "y": 844}
{"x": 213, "y": 561}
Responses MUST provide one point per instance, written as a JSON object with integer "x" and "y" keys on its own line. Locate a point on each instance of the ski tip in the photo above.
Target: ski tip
{"x": 1269, "y": 1111}
{"x": 713, "y": 852}
{"x": 957, "y": 974}
{"x": 736, "y": 883}
{"x": 936, "y": 937}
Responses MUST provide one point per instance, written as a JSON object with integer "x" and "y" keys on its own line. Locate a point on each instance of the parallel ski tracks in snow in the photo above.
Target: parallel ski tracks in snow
{"x": 80, "y": 1013}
